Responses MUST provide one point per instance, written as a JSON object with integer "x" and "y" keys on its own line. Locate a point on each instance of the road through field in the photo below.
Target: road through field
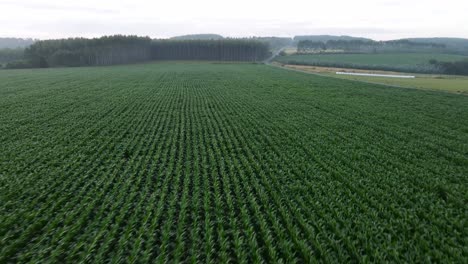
{"x": 207, "y": 162}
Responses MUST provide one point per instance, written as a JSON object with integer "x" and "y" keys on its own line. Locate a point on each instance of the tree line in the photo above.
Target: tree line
{"x": 221, "y": 50}
{"x": 106, "y": 50}
{"x": 356, "y": 45}
{"x": 9, "y": 55}
{"x": 119, "y": 49}
{"x": 453, "y": 67}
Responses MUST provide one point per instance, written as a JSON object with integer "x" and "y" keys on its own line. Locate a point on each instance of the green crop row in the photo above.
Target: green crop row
{"x": 200, "y": 162}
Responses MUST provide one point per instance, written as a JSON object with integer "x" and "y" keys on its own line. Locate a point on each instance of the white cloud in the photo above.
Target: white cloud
{"x": 380, "y": 19}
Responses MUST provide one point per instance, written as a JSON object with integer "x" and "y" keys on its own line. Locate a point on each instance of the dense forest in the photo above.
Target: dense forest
{"x": 455, "y": 67}
{"x": 120, "y": 49}
{"x": 9, "y": 55}
{"x": 107, "y": 50}
{"x": 274, "y": 43}
{"x": 222, "y": 50}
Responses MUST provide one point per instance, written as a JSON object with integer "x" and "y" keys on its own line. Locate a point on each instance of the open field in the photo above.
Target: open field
{"x": 446, "y": 83}
{"x": 203, "y": 162}
{"x": 406, "y": 62}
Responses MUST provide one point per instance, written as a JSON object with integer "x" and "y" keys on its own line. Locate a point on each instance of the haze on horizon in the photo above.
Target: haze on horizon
{"x": 377, "y": 19}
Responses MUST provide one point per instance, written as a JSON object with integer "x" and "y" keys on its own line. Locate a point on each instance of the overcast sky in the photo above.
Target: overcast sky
{"x": 378, "y": 19}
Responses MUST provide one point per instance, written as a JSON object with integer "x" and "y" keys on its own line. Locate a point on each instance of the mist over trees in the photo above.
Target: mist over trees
{"x": 305, "y": 46}
{"x": 275, "y": 43}
{"x": 454, "y": 45}
{"x": 14, "y": 43}
{"x": 9, "y": 55}
{"x": 325, "y": 38}
{"x": 12, "y": 49}
{"x": 367, "y": 46}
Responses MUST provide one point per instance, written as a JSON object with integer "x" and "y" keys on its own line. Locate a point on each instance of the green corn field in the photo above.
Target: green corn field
{"x": 228, "y": 162}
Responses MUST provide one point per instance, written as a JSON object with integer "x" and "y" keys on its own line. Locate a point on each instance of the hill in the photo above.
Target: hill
{"x": 454, "y": 44}
{"x": 325, "y": 38}
{"x": 198, "y": 36}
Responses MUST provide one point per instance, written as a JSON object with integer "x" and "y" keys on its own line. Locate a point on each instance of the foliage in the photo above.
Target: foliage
{"x": 308, "y": 45}
{"x": 220, "y": 50}
{"x": 454, "y": 67}
{"x": 219, "y": 163}
{"x": 8, "y": 55}
{"x": 18, "y": 64}
{"x": 402, "y": 62}
{"x": 275, "y": 43}
{"x": 129, "y": 49}
{"x": 368, "y": 46}
{"x": 453, "y": 45}
{"x": 325, "y": 38}
{"x": 106, "y": 50}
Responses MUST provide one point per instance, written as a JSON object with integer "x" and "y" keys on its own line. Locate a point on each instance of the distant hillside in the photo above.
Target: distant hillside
{"x": 13, "y": 43}
{"x": 325, "y": 38}
{"x": 455, "y": 44}
{"x": 198, "y": 36}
